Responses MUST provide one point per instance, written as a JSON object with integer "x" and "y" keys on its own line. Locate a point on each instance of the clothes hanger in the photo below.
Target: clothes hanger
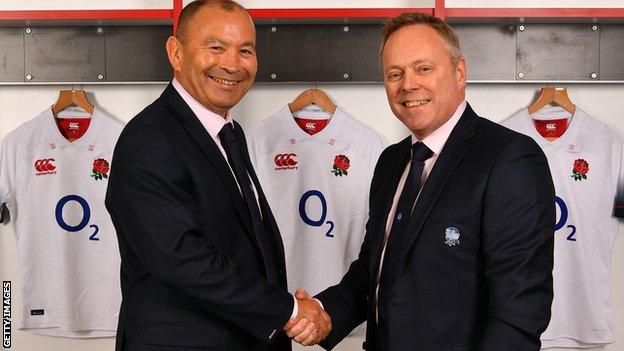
{"x": 312, "y": 96}
{"x": 72, "y": 97}
{"x": 550, "y": 95}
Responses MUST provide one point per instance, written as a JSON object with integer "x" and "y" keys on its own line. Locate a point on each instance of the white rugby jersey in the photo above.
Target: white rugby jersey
{"x": 318, "y": 189}
{"x": 585, "y": 163}
{"x": 67, "y": 246}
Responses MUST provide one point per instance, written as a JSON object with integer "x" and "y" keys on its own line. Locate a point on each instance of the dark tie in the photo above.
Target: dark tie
{"x": 397, "y": 236}
{"x": 235, "y": 157}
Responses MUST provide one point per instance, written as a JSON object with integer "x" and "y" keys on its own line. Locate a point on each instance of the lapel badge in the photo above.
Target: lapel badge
{"x": 451, "y": 236}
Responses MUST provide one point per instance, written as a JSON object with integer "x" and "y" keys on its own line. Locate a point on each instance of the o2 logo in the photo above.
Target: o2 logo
{"x": 86, "y": 215}
{"x": 563, "y": 218}
{"x": 308, "y": 196}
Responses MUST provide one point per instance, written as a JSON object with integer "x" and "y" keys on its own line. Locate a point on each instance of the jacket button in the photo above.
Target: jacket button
{"x": 364, "y": 345}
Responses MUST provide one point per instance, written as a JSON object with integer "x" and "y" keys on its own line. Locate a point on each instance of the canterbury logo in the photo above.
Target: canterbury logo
{"x": 45, "y": 165}
{"x": 285, "y": 160}
{"x": 310, "y": 125}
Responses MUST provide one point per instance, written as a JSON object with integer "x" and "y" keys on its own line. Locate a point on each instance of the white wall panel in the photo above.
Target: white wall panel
{"x": 251, "y": 4}
{"x": 535, "y": 3}
{"x": 22, "y": 5}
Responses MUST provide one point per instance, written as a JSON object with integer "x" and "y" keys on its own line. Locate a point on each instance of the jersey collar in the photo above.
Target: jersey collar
{"x": 329, "y": 134}
{"x": 570, "y": 140}
{"x": 88, "y": 139}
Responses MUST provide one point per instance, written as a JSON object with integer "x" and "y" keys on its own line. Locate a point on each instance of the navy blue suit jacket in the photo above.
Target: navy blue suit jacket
{"x": 489, "y": 290}
{"x": 193, "y": 272}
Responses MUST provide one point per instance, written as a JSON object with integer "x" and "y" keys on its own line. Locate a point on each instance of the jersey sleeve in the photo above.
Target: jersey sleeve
{"x": 618, "y": 210}
{"x": 6, "y": 176}
{"x": 376, "y": 150}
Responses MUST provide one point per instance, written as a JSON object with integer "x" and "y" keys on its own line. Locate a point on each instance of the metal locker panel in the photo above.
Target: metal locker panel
{"x": 489, "y": 50}
{"x": 366, "y": 40}
{"x": 557, "y": 51}
{"x": 263, "y": 47}
{"x": 12, "y": 54}
{"x": 137, "y": 53}
{"x": 65, "y": 54}
{"x": 612, "y": 52}
{"x": 310, "y": 53}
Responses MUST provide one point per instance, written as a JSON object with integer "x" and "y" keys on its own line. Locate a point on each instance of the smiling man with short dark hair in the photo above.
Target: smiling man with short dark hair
{"x": 202, "y": 258}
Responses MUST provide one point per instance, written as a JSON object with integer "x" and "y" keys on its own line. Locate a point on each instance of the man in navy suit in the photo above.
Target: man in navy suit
{"x": 458, "y": 252}
{"x": 202, "y": 258}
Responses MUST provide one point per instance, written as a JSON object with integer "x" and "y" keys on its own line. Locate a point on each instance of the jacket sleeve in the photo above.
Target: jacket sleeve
{"x": 518, "y": 236}
{"x": 151, "y": 204}
{"x": 347, "y": 302}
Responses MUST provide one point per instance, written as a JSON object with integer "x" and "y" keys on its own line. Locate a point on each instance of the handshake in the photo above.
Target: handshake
{"x": 312, "y": 324}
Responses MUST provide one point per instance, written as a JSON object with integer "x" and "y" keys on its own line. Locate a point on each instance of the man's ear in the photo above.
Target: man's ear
{"x": 174, "y": 52}
{"x": 460, "y": 72}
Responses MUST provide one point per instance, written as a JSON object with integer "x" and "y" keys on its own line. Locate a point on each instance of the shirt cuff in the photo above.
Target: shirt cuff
{"x": 295, "y": 311}
{"x": 320, "y": 303}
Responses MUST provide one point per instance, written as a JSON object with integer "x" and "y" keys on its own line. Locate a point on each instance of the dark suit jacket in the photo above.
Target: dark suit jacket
{"x": 193, "y": 272}
{"x": 492, "y": 290}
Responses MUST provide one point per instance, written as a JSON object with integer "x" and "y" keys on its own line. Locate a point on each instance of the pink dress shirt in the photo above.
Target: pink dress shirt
{"x": 213, "y": 123}
{"x": 435, "y": 142}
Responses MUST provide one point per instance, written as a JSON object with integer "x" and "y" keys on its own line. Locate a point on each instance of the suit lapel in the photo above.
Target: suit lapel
{"x": 196, "y": 130}
{"x": 395, "y": 170}
{"x": 454, "y": 150}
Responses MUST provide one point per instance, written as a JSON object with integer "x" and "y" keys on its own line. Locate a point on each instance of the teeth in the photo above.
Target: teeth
{"x": 224, "y": 81}
{"x": 416, "y": 103}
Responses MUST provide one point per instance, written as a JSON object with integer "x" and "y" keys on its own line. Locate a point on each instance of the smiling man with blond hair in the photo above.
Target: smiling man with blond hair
{"x": 458, "y": 252}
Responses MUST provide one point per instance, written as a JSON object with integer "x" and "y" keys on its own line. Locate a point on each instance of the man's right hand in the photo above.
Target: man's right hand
{"x": 312, "y": 323}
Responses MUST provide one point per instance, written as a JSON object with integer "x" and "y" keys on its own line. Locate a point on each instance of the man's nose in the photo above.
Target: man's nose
{"x": 230, "y": 61}
{"x": 411, "y": 81}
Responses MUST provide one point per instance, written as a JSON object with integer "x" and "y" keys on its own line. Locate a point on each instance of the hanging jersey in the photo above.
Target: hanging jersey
{"x": 585, "y": 163}
{"x": 67, "y": 247}
{"x": 317, "y": 186}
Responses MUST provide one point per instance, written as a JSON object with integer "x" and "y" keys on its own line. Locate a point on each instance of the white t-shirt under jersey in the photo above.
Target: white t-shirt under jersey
{"x": 67, "y": 246}
{"x": 585, "y": 228}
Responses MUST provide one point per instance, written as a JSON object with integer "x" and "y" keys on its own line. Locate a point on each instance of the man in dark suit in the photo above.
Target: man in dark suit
{"x": 464, "y": 261}
{"x": 202, "y": 259}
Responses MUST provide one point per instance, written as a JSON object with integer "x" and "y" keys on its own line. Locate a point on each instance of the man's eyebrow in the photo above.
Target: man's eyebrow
{"x": 249, "y": 43}
{"x": 217, "y": 40}
{"x": 415, "y": 62}
{"x": 214, "y": 40}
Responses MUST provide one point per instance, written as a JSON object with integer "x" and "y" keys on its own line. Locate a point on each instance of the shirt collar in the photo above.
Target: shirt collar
{"x": 213, "y": 122}
{"x": 436, "y": 140}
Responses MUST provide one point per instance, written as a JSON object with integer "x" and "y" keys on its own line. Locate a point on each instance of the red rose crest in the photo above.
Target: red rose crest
{"x": 341, "y": 165}
{"x": 580, "y": 169}
{"x": 100, "y": 169}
